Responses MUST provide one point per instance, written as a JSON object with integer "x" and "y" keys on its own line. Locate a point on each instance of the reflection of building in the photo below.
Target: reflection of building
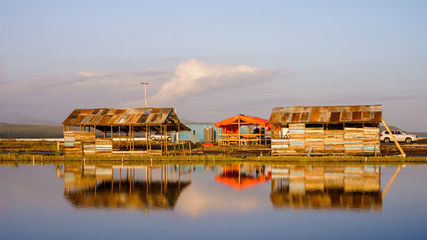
{"x": 241, "y": 176}
{"x": 350, "y": 187}
{"x": 97, "y": 187}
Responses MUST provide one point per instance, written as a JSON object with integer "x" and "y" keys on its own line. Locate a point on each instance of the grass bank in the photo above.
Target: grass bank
{"x": 210, "y": 158}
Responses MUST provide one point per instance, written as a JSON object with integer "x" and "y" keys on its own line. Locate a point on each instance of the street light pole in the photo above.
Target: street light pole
{"x": 145, "y": 84}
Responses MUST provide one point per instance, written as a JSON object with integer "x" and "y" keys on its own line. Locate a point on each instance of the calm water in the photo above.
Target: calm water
{"x": 240, "y": 201}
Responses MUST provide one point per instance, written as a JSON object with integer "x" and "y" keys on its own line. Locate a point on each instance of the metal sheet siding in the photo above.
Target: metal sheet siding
{"x": 327, "y": 114}
{"x": 126, "y": 117}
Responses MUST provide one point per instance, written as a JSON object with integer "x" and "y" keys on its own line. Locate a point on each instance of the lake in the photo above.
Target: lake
{"x": 238, "y": 201}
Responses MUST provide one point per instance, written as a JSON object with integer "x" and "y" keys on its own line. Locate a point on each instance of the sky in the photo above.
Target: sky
{"x": 213, "y": 59}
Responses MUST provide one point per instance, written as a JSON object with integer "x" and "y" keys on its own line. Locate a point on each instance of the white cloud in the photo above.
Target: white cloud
{"x": 51, "y": 97}
{"x": 93, "y": 73}
{"x": 201, "y": 199}
{"x": 3, "y": 73}
{"x": 196, "y": 77}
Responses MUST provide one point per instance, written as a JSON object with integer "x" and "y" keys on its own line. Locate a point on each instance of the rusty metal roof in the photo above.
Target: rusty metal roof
{"x": 129, "y": 116}
{"x": 327, "y": 114}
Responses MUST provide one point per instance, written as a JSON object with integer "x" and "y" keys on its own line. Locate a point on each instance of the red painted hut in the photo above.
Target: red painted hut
{"x": 242, "y": 130}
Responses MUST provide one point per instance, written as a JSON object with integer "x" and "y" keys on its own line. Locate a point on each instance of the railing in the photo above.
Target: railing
{"x": 243, "y": 139}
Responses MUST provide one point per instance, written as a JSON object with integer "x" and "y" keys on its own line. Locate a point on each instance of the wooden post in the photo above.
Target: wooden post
{"x": 394, "y": 139}
{"x": 166, "y": 139}
{"x": 112, "y": 141}
{"x": 189, "y": 142}
{"x": 238, "y": 127}
{"x": 149, "y": 134}
{"x": 133, "y": 138}
{"x": 130, "y": 138}
{"x": 179, "y": 139}
{"x": 127, "y": 139}
{"x": 161, "y": 134}
{"x": 194, "y": 136}
{"x": 146, "y": 138}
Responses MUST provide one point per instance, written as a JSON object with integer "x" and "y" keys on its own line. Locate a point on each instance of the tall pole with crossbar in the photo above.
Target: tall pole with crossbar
{"x": 145, "y": 84}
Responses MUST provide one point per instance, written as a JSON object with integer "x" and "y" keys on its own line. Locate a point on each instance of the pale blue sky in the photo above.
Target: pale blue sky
{"x": 59, "y": 55}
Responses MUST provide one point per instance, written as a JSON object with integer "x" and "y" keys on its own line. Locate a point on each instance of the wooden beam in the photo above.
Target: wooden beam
{"x": 149, "y": 135}
{"x": 179, "y": 139}
{"x": 238, "y": 127}
{"x": 112, "y": 141}
{"x": 146, "y": 138}
{"x": 390, "y": 182}
{"x": 166, "y": 138}
{"x": 394, "y": 139}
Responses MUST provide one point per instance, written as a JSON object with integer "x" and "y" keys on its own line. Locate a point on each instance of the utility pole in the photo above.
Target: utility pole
{"x": 145, "y": 84}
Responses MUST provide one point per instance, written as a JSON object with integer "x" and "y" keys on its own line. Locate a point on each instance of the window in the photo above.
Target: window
{"x": 314, "y": 125}
{"x": 371, "y": 125}
{"x": 354, "y": 125}
{"x": 338, "y": 126}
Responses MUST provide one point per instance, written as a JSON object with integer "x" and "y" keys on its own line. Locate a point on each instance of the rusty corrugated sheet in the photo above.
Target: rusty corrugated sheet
{"x": 327, "y": 114}
{"x": 130, "y": 116}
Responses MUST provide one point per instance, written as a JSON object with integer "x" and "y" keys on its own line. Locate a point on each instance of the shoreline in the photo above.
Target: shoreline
{"x": 5, "y": 158}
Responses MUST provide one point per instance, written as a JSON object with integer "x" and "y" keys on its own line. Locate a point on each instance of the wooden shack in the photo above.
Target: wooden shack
{"x": 118, "y": 127}
{"x": 242, "y": 130}
{"x": 326, "y": 130}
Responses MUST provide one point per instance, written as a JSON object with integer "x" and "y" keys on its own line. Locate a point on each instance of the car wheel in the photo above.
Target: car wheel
{"x": 386, "y": 140}
{"x": 408, "y": 140}
{"x": 153, "y": 138}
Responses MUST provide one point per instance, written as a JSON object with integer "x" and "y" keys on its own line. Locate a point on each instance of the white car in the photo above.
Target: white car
{"x": 158, "y": 137}
{"x": 401, "y": 136}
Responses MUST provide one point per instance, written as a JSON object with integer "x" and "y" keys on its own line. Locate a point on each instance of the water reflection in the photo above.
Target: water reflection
{"x": 99, "y": 186}
{"x": 241, "y": 176}
{"x": 319, "y": 187}
{"x": 236, "y": 186}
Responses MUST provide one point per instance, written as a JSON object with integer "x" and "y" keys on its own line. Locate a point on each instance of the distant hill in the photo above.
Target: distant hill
{"x": 30, "y": 131}
{"x": 382, "y": 128}
{"x": 186, "y": 121}
{"x": 34, "y": 121}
